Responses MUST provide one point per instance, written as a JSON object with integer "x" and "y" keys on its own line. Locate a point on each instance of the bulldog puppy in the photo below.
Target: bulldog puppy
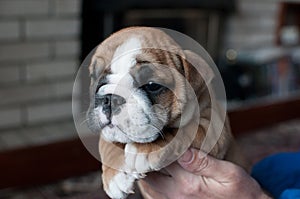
{"x": 143, "y": 92}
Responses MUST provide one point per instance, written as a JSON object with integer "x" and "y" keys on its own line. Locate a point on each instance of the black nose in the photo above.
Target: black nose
{"x": 110, "y": 104}
{"x": 106, "y": 105}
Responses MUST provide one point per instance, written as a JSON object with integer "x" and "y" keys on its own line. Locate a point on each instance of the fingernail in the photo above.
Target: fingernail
{"x": 202, "y": 154}
{"x": 187, "y": 157}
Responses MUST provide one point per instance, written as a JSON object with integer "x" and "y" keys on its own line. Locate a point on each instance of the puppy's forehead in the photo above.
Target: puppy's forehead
{"x": 143, "y": 64}
{"x": 123, "y": 59}
{"x": 125, "y": 56}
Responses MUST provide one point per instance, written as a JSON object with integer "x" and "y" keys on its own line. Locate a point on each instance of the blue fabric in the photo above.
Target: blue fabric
{"x": 290, "y": 194}
{"x": 278, "y": 173}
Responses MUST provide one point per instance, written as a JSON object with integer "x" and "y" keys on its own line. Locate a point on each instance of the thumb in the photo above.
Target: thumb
{"x": 199, "y": 163}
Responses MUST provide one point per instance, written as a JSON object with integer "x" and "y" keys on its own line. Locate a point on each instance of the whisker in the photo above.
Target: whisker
{"x": 81, "y": 113}
{"x": 121, "y": 130}
{"x": 159, "y": 131}
{"x": 84, "y": 121}
{"x": 159, "y": 116}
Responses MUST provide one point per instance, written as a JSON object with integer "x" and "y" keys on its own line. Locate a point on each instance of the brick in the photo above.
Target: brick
{"x": 60, "y": 131}
{"x": 27, "y": 93}
{"x": 9, "y": 74}
{"x": 10, "y": 117}
{"x": 23, "y": 94}
{"x": 64, "y": 88}
{"x": 51, "y": 70}
{"x": 50, "y": 112}
{"x": 49, "y": 132}
{"x": 37, "y": 135}
{"x": 23, "y": 7}
{"x": 23, "y": 51}
{"x": 52, "y": 28}
{"x": 9, "y": 30}
{"x": 63, "y": 7}
{"x": 67, "y": 48}
{"x": 13, "y": 139}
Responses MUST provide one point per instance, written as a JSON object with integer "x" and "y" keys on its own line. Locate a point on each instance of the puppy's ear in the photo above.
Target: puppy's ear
{"x": 197, "y": 71}
{"x": 96, "y": 67}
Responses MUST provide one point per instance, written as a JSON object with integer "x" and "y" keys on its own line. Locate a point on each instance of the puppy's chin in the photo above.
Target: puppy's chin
{"x": 113, "y": 133}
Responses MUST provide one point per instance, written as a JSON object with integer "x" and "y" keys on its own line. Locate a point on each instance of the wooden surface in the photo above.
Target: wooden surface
{"x": 44, "y": 164}
{"x": 243, "y": 120}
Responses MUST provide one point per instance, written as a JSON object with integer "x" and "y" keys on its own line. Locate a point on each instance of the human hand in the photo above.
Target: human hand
{"x": 197, "y": 175}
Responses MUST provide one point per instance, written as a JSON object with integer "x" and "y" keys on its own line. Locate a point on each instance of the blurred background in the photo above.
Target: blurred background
{"x": 255, "y": 44}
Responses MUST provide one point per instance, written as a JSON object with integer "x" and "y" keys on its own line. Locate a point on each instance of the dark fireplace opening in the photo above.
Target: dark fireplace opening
{"x": 201, "y": 20}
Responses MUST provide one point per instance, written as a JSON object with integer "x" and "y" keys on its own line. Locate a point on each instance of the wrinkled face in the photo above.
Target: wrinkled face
{"x": 137, "y": 95}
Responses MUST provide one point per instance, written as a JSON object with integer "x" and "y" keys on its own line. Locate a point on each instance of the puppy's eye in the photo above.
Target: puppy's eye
{"x": 153, "y": 88}
{"x": 98, "y": 87}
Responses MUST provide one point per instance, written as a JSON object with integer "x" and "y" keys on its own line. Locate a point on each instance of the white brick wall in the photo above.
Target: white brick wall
{"x": 24, "y": 8}
{"x": 51, "y": 28}
{"x": 64, "y": 89}
{"x": 24, "y": 51}
{"x": 67, "y": 7}
{"x": 9, "y": 74}
{"x": 67, "y": 48}
{"x": 10, "y": 117}
{"x": 51, "y": 111}
{"x": 39, "y": 57}
{"x": 9, "y": 30}
{"x": 51, "y": 70}
{"x": 23, "y": 94}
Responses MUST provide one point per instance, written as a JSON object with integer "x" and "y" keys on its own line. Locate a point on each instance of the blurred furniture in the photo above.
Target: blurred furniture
{"x": 253, "y": 73}
{"x": 261, "y": 73}
{"x": 289, "y": 15}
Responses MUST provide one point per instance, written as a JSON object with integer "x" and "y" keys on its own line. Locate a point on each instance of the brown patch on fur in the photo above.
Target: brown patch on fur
{"x": 109, "y": 165}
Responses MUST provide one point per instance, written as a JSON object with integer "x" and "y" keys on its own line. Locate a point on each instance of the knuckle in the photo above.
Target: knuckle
{"x": 236, "y": 172}
{"x": 200, "y": 164}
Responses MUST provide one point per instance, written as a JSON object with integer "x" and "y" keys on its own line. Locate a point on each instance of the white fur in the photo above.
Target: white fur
{"x": 142, "y": 164}
{"x": 102, "y": 117}
{"x": 114, "y": 191}
{"x": 114, "y": 135}
{"x": 130, "y": 156}
{"x": 121, "y": 185}
{"x": 124, "y": 57}
{"x": 135, "y": 162}
{"x": 115, "y": 89}
{"x": 134, "y": 122}
{"x": 123, "y": 60}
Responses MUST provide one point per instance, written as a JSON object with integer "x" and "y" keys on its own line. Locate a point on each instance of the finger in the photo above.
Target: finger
{"x": 177, "y": 172}
{"x": 159, "y": 182}
{"x": 149, "y": 192}
{"x": 199, "y": 163}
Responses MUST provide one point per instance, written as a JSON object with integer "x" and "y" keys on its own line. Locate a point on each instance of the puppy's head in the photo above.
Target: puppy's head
{"x": 141, "y": 83}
